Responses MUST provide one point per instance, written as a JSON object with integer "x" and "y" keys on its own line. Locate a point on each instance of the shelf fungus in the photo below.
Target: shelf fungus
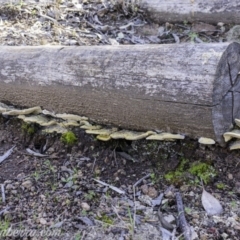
{"x": 38, "y": 119}
{"x": 235, "y": 145}
{"x": 69, "y": 123}
{"x": 15, "y": 112}
{"x": 91, "y": 127}
{"x": 104, "y": 138}
{"x": 103, "y": 131}
{"x": 130, "y": 135}
{"x": 165, "y": 137}
{"x": 206, "y": 141}
{"x": 233, "y": 134}
{"x": 237, "y": 121}
{"x": 54, "y": 129}
{"x": 66, "y": 116}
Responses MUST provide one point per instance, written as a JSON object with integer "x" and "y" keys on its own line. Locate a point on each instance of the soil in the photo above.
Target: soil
{"x": 58, "y": 192}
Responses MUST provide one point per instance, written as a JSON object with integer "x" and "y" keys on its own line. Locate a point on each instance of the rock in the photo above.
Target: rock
{"x": 152, "y": 192}
{"x": 27, "y": 184}
{"x": 9, "y": 186}
{"x": 170, "y": 218}
{"x": 230, "y": 176}
{"x": 85, "y": 206}
{"x": 144, "y": 189}
{"x": 7, "y": 181}
{"x": 233, "y": 34}
{"x": 43, "y": 221}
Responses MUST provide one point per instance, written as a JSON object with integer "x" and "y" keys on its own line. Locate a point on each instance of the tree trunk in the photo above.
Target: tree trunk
{"x": 193, "y": 89}
{"x": 214, "y": 11}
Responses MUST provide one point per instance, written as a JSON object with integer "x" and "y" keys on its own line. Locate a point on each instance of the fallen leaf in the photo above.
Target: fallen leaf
{"x": 211, "y": 205}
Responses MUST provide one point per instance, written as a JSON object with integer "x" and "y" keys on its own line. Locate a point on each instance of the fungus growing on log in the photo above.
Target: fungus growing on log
{"x": 206, "y": 141}
{"x": 233, "y": 134}
{"x": 165, "y": 136}
{"x": 192, "y": 89}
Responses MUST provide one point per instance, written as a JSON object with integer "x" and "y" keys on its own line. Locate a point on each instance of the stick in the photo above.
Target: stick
{"x": 184, "y": 226}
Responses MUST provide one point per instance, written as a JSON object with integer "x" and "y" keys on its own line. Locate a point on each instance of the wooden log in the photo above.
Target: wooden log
{"x": 213, "y": 11}
{"x": 191, "y": 89}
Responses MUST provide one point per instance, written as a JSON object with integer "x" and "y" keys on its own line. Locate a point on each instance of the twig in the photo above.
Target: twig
{"x": 140, "y": 180}
{"x": 6, "y": 154}
{"x": 118, "y": 190}
{"x": 3, "y": 193}
{"x": 184, "y": 226}
{"x": 4, "y": 210}
{"x": 94, "y": 164}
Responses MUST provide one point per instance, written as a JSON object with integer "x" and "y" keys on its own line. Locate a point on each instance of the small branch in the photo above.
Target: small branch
{"x": 3, "y": 193}
{"x": 184, "y": 226}
{"x": 6, "y": 154}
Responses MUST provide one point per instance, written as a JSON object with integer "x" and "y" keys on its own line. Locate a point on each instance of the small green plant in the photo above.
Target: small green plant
{"x": 106, "y": 219}
{"x": 90, "y": 195}
{"x": 202, "y": 171}
{"x": 153, "y": 177}
{"x": 28, "y": 128}
{"x": 4, "y": 225}
{"x": 221, "y": 186}
{"x": 69, "y": 138}
{"x": 78, "y": 236}
{"x": 197, "y": 170}
{"x": 36, "y": 175}
{"x": 192, "y": 36}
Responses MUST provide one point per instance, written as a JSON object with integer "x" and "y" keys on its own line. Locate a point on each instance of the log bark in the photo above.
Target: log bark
{"x": 191, "y": 89}
{"x": 214, "y": 11}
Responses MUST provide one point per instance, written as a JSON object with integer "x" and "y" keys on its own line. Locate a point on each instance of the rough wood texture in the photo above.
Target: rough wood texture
{"x": 186, "y": 88}
{"x": 214, "y": 11}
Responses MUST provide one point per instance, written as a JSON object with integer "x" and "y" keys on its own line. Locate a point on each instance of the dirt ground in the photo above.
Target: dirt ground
{"x": 58, "y": 192}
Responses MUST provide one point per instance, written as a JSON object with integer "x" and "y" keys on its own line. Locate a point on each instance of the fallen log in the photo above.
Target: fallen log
{"x": 213, "y": 11}
{"x": 193, "y": 89}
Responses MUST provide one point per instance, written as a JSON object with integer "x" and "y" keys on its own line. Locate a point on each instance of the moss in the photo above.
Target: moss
{"x": 191, "y": 172}
{"x": 69, "y": 138}
{"x": 221, "y": 186}
{"x": 202, "y": 171}
{"x": 106, "y": 219}
{"x": 28, "y": 128}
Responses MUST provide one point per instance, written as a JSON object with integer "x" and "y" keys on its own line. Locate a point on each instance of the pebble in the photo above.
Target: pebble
{"x": 27, "y": 184}
{"x": 152, "y": 192}
{"x": 7, "y": 181}
{"x": 9, "y": 186}
{"x": 43, "y": 221}
{"x": 85, "y": 206}
{"x": 144, "y": 189}
{"x": 230, "y": 176}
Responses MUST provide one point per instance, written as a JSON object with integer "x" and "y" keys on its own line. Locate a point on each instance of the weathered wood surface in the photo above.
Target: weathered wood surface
{"x": 187, "y": 88}
{"x": 214, "y": 11}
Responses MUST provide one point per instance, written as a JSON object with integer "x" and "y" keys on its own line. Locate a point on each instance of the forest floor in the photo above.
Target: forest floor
{"x": 59, "y": 193}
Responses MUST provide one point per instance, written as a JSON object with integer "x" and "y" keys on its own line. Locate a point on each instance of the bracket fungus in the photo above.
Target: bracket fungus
{"x": 69, "y": 123}
{"x": 235, "y": 145}
{"x": 91, "y": 127}
{"x": 130, "y": 135}
{"x": 233, "y": 134}
{"x": 237, "y": 121}
{"x": 165, "y": 136}
{"x": 55, "y": 128}
{"x": 66, "y": 116}
{"x": 38, "y": 119}
{"x": 103, "y": 131}
{"x": 206, "y": 141}
{"x": 104, "y": 138}
{"x": 15, "y": 112}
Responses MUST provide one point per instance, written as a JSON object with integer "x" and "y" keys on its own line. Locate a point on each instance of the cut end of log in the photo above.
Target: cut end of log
{"x": 226, "y": 93}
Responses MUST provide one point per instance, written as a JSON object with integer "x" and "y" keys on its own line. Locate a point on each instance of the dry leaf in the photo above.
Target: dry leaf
{"x": 211, "y": 205}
